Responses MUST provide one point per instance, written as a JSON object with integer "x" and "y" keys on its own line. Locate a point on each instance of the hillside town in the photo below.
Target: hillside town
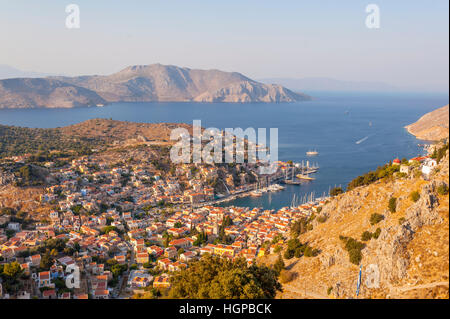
{"x": 128, "y": 224}
{"x": 128, "y": 229}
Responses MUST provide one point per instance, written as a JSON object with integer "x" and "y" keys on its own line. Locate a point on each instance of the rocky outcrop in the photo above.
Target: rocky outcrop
{"x": 5, "y": 177}
{"x": 390, "y": 251}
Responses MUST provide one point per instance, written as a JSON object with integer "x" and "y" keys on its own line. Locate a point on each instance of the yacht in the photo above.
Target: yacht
{"x": 312, "y": 153}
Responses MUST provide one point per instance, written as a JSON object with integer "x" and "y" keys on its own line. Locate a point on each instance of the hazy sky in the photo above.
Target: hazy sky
{"x": 323, "y": 38}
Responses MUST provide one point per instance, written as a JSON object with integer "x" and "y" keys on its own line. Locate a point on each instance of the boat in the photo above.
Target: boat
{"x": 305, "y": 177}
{"x": 256, "y": 193}
{"x": 312, "y": 153}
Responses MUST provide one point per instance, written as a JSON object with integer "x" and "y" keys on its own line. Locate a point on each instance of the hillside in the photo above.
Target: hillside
{"x": 82, "y": 137}
{"x": 432, "y": 126}
{"x": 411, "y": 252}
{"x": 48, "y": 93}
{"x": 143, "y": 83}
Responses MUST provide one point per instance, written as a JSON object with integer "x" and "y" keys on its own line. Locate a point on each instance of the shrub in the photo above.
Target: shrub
{"x": 376, "y": 218}
{"x": 336, "y": 191}
{"x": 309, "y": 252}
{"x": 279, "y": 265}
{"x": 288, "y": 254}
{"x": 366, "y": 236}
{"x": 286, "y": 276}
{"x": 298, "y": 253}
{"x": 401, "y": 220}
{"x": 392, "y": 204}
{"x": 329, "y": 290}
{"x": 442, "y": 189}
{"x": 377, "y": 233}
{"x": 322, "y": 219}
{"x": 355, "y": 256}
{"x": 414, "y": 196}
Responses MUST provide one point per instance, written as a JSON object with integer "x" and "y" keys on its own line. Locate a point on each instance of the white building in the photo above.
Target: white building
{"x": 428, "y": 166}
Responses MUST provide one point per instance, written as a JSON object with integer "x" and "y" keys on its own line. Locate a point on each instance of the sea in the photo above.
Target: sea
{"x": 353, "y": 133}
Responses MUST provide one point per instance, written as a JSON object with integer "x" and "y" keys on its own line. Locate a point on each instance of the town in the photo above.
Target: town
{"x": 128, "y": 225}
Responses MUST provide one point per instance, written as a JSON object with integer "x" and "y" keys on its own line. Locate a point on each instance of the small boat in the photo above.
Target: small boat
{"x": 312, "y": 153}
{"x": 256, "y": 194}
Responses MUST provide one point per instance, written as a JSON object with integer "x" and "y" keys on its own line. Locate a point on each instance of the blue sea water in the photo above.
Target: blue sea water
{"x": 331, "y": 123}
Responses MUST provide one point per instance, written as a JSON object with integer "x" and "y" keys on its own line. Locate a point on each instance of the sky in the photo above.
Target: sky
{"x": 259, "y": 38}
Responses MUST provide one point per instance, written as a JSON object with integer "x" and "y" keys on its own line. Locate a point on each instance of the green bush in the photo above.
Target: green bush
{"x": 355, "y": 256}
{"x": 288, "y": 254}
{"x": 329, "y": 290}
{"x": 414, "y": 196}
{"x": 366, "y": 236}
{"x": 370, "y": 177}
{"x": 377, "y": 233}
{"x": 376, "y": 218}
{"x": 442, "y": 189}
{"x": 392, "y": 204}
{"x": 336, "y": 191}
{"x": 322, "y": 219}
{"x": 401, "y": 220}
{"x": 440, "y": 153}
{"x": 353, "y": 248}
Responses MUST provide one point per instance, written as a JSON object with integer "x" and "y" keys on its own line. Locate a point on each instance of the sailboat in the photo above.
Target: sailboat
{"x": 305, "y": 177}
{"x": 312, "y": 153}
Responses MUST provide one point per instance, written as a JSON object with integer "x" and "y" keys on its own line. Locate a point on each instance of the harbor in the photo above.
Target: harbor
{"x": 289, "y": 177}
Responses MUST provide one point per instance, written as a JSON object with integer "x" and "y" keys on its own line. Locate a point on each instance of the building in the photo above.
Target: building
{"x": 405, "y": 169}
{"x": 161, "y": 282}
{"x": 428, "y": 166}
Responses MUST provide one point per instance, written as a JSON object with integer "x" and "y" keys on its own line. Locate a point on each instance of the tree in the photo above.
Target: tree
{"x": 46, "y": 261}
{"x": 214, "y": 277}
{"x": 392, "y": 205}
{"x": 376, "y": 218}
{"x": 279, "y": 264}
{"x": 12, "y": 270}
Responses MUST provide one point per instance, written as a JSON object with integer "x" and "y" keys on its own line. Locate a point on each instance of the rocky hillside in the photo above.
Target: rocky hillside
{"x": 142, "y": 83}
{"x": 432, "y": 126}
{"x": 408, "y": 257}
{"x": 49, "y": 93}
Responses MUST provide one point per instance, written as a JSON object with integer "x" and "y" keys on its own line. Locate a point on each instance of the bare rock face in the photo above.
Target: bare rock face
{"x": 390, "y": 250}
{"x": 142, "y": 83}
{"x": 5, "y": 177}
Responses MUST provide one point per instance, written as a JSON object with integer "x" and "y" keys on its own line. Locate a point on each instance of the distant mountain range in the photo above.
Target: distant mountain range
{"x": 142, "y": 83}
{"x": 328, "y": 84}
{"x": 9, "y": 72}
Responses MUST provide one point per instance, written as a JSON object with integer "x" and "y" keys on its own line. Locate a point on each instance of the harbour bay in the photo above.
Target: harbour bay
{"x": 352, "y": 132}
